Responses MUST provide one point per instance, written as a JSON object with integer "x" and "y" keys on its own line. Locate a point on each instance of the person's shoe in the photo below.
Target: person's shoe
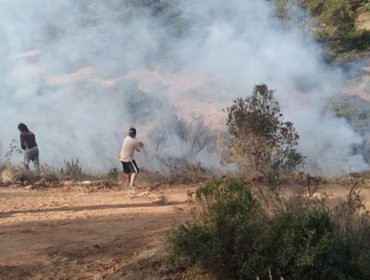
{"x": 133, "y": 189}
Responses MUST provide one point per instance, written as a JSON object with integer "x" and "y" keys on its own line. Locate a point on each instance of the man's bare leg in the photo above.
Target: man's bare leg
{"x": 126, "y": 180}
{"x": 132, "y": 180}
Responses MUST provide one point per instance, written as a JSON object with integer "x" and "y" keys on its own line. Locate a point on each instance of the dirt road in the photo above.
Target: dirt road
{"x": 80, "y": 232}
{"x": 77, "y": 233}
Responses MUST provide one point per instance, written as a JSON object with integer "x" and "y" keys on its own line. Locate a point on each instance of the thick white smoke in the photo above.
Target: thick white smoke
{"x": 80, "y": 73}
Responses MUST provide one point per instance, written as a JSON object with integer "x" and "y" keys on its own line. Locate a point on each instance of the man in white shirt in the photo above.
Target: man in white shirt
{"x": 129, "y": 146}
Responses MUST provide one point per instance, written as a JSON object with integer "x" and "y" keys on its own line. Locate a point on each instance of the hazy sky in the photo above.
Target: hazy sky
{"x": 80, "y": 75}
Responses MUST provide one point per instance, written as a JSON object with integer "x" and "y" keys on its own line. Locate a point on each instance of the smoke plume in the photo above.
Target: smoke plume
{"x": 80, "y": 73}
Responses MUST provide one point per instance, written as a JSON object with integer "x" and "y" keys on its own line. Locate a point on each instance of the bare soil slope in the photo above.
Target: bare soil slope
{"x": 77, "y": 233}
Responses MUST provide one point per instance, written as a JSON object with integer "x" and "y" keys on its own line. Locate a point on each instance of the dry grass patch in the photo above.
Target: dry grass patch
{"x": 363, "y": 21}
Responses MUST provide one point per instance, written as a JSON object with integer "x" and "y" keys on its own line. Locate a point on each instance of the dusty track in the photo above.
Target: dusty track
{"x": 64, "y": 233}
{"x": 77, "y": 232}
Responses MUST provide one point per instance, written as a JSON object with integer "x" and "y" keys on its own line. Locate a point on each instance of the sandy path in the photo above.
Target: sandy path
{"x": 76, "y": 234}
{"x": 80, "y": 233}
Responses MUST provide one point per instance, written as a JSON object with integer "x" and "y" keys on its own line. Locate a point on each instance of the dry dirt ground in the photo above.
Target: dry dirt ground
{"x": 74, "y": 232}
{"x": 79, "y": 232}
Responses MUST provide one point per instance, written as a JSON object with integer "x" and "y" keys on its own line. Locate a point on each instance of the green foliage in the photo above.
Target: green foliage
{"x": 232, "y": 236}
{"x": 261, "y": 140}
{"x": 302, "y": 241}
{"x": 228, "y": 230}
{"x": 163, "y": 10}
{"x": 310, "y": 243}
{"x": 364, "y": 7}
{"x": 336, "y": 25}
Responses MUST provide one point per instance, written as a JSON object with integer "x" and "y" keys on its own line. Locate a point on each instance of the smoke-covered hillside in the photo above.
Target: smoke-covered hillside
{"x": 80, "y": 73}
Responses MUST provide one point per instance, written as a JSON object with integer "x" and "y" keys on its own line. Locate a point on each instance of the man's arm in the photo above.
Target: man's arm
{"x": 139, "y": 146}
{"x": 23, "y": 141}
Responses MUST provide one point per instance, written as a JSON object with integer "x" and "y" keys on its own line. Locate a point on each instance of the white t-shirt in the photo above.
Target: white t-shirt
{"x": 129, "y": 146}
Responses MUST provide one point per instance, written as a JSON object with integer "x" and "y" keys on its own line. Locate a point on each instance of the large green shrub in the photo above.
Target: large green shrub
{"x": 262, "y": 140}
{"x": 226, "y": 232}
{"x": 304, "y": 246}
{"x": 232, "y": 237}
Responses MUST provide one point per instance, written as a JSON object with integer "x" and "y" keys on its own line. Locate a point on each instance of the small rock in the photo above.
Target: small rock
{"x": 68, "y": 183}
{"x": 143, "y": 194}
{"x": 99, "y": 276}
{"x": 161, "y": 199}
{"x": 28, "y": 187}
{"x": 41, "y": 182}
{"x": 86, "y": 183}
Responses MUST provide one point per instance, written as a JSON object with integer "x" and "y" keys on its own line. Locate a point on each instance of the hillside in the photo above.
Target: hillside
{"x": 83, "y": 72}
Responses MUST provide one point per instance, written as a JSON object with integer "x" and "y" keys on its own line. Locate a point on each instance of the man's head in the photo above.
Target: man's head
{"x": 132, "y": 132}
{"x": 22, "y": 127}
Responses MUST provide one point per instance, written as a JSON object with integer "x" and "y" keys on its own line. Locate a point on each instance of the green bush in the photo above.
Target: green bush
{"x": 335, "y": 26}
{"x": 226, "y": 230}
{"x": 232, "y": 236}
{"x": 364, "y": 6}
{"x": 261, "y": 139}
{"x": 303, "y": 246}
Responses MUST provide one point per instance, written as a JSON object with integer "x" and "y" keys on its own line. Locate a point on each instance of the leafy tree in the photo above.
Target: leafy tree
{"x": 262, "y": 141}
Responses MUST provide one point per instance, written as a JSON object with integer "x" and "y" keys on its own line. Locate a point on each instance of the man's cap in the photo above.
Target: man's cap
{"x": 132, "y": 131}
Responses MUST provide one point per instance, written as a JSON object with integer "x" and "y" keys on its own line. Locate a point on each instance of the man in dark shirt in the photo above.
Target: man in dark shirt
{"x": 29, "y": 145}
